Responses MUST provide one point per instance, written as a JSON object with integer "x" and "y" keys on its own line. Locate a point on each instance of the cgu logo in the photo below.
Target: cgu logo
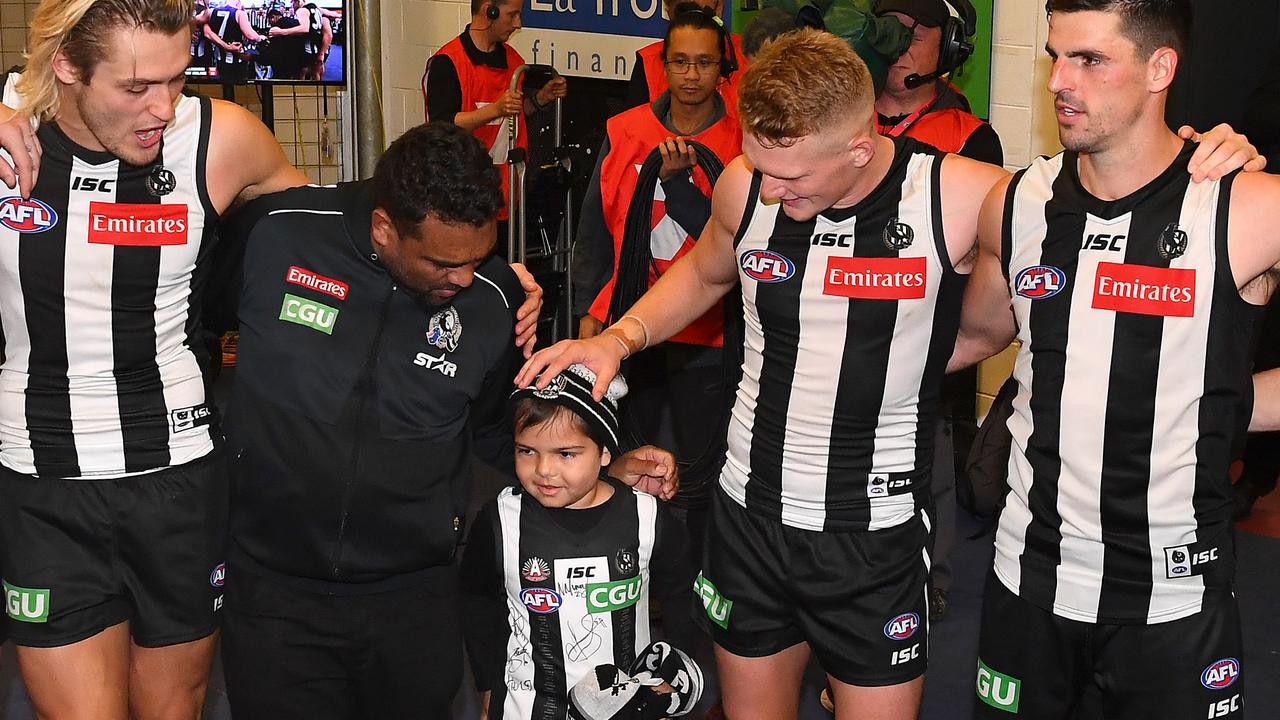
{"x": 767, "y": 266}
{"x": 998, "y": 690}
{"x": 26, "y": 216}
{"x": 610, "y": 596}
{"x": 26, "y": 604}
{"x": 1104, "y": 241}
{"x": 1040, "y": 282}
{"x": 540, "y": 600}
{"x": 308, "y": 313}
{"x": 717, "y": 606}
{"x": 1221, "y": 675}
{"x": 902, "y": 627}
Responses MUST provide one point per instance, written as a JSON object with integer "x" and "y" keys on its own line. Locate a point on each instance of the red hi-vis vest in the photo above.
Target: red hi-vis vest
{"x": 632, "y": 136}
{"x": 655, "y": 75}
{"x": 481, "y": 85}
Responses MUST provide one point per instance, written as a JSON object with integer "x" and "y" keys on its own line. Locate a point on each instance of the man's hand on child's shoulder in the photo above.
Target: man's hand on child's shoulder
{"x": 648, "y": 469}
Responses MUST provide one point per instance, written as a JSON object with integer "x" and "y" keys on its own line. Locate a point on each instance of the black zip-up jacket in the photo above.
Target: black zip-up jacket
{"x": 355, "y": 407}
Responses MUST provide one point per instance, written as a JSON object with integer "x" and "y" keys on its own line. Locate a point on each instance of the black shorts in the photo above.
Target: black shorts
{"x": 1034, "y": 664}
{"x": 79, "y": 556}
{"x": 860, "y": 599}
{"x": 292, "y": 653}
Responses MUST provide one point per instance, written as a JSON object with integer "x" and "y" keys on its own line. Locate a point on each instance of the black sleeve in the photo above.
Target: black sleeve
{"x": 593, "y": 247}
{"x": 984, "y": 145}
{"x": 484, "y": 606}
{"x": 672, "y": 576}
{"x": 686, "y": 204}
{"x": 490, "y": 421}
{"x": 638, "y": 87}
{"x": 442, "y": 88}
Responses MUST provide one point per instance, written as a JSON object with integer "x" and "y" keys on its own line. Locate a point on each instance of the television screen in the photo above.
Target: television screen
{"x": 252, "y": 41}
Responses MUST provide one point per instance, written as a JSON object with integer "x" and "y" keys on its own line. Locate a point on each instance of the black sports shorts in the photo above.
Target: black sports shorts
{"x": 859, "y": 598}
{"x": 79, "y": 556}
{"x": 1034, "y": 664}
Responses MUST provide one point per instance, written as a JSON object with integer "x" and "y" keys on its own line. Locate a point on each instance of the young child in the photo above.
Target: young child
{"x": 558, "y": 572}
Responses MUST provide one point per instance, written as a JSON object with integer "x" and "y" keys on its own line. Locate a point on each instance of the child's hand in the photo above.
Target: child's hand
{"x": 484, "y": 704}
{"x": 648, "y": 469}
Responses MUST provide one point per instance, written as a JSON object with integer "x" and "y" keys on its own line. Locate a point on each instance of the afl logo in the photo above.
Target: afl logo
{"x": 540, "y": 600}
{"x": 767, "y": 266}
{"x": 902, "y": 627}
{"x": 219, "y": 575}
{"x": 1040, "y": 282}
{"x": 1221, "y": 674}
{"x": 26, "y": 216}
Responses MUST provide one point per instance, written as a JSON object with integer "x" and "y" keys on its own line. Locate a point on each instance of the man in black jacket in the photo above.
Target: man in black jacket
{"x": 376, "y": 353}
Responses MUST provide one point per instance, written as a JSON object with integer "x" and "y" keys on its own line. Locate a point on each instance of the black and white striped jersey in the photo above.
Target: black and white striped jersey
{"x": 101, "y": 275}
{"x": 225, "y": 24}
{"x": 573, "y": 602}
{"x": 1133, "y": 363}
{"x": 850, "y": 319}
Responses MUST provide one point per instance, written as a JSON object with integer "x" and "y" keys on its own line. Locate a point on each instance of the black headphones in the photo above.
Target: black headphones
{"x": 956, "y": 46}
{"x": 728, "y": 58}
{"x": 491, "y": 11}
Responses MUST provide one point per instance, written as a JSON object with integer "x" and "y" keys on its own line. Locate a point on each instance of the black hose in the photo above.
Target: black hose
{"x": 635, "y": 260}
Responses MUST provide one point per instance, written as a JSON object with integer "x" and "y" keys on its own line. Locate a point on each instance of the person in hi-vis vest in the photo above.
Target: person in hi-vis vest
{"x": 467, "y": 82}
{"x": 649, "y": 80}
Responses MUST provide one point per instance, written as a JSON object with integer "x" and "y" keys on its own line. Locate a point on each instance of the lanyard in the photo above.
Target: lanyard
{"x": 905, "y": 124}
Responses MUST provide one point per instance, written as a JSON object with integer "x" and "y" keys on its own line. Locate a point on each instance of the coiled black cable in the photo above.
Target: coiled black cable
{"x": 635, "y": 260}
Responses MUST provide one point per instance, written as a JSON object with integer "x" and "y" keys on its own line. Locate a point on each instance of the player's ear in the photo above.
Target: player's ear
{"x": 382, "y": 231}
{"x": 606, "y": 458}
{"x": 63, "y": 69}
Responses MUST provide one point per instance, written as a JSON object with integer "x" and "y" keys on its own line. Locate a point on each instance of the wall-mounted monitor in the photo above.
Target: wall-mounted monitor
{"x": 234, "y": 42}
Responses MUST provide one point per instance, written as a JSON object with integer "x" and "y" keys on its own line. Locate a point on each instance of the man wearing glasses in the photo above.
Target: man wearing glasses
{"x": 688, "y": 370}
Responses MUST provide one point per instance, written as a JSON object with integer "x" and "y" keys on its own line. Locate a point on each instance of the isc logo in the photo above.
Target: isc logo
{"x": 26, "y": 216}
{"x": 540, "y": 600}
{"x": 902, "y": 627}
{"x": 584, "y": 571}
{"x": 767, "y": 266}
{"x": 1221, "y": 675}
{"x": 1103, "y": 241}
{"x": 843, "y": 240}
{"x": 1040, "y": 282}
{"x": 1223, "y": 708}
{"x": 905, "y": 655}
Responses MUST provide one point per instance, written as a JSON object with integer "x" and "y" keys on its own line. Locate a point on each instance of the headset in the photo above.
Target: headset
{"x": 491, "y": 11}
{"x": 728, "y": 58}
{"x": 955, "y": 45}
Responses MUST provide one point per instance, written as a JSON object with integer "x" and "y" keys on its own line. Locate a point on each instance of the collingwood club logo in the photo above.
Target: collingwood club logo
{"x": 898, "y": 235}
{"x": 445, "y": 329}
{"x": 161, "y": 181}
{"x": 1173, "y": 242}
{"x": 553, "y": 388}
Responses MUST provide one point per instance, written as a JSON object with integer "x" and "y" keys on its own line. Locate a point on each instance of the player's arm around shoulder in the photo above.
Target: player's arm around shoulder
{"x": 965, "y": 185}
{"x": 1253, "y": 240}
{"x": 244, "y": 159}
{"x": 987, "y": 324}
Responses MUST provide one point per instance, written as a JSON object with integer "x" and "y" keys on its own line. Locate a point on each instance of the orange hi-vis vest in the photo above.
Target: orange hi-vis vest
{"x": 481, "y": 85}
{"x": 632, "y": 136}
{"x": 943, "y": 122}
{"x": 655, "y": 75}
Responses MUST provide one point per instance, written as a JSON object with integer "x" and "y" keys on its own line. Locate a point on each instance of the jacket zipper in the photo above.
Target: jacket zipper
{"x": 366, "y": 386}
